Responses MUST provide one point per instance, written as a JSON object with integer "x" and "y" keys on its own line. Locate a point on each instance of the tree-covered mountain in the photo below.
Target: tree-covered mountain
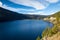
{"x": 7, "y": 15}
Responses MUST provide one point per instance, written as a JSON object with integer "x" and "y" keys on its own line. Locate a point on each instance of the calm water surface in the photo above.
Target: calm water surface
{"x": 22, "y": 29}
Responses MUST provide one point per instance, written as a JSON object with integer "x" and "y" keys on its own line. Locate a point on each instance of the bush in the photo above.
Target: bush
{"x": 38, "y": 38}
{"x": 46, "y": 32}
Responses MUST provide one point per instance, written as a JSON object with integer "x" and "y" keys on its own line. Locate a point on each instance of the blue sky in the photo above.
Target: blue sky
{"x": 37, "y": 7}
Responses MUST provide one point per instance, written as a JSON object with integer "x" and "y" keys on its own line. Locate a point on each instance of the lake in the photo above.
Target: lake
{"x": 22, "y": 29}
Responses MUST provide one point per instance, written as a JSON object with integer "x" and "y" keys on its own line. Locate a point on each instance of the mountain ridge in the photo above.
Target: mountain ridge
{"x": 7, "y": 15}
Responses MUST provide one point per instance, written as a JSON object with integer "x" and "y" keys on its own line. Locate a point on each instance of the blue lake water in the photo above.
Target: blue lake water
{"x": 22, "y": 29}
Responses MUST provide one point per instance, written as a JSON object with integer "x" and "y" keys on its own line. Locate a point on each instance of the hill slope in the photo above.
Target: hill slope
{"x": 6, "y": 15}
{"x": 54, "y": 32}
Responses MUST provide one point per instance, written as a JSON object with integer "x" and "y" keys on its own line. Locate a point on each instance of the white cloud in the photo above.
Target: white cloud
{"x": 0, "y": 4}
{"x": 31, "y": 11}
{"x": 16, "y": 9}
{"x": 52, "y": 1}
{"x": 37, "y": 13}
{"x": 32, "y": 3}
{"x": 10, "y": 8}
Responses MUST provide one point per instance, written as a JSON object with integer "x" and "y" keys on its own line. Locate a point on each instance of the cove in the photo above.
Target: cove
{"x": 22, "y": 29}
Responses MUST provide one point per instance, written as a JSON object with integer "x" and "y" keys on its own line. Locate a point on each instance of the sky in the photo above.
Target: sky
{"x": 36, "y": 7}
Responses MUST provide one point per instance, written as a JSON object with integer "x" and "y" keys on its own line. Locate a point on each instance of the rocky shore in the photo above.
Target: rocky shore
{"x": 56, "y": 21}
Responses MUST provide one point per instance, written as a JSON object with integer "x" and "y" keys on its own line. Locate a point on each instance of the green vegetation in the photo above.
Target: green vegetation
{"x": 55, "y": 28}
{"x": 38, "y": 38}
{"x": 56, "y": 14}
{"x": 48, "y": 32}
